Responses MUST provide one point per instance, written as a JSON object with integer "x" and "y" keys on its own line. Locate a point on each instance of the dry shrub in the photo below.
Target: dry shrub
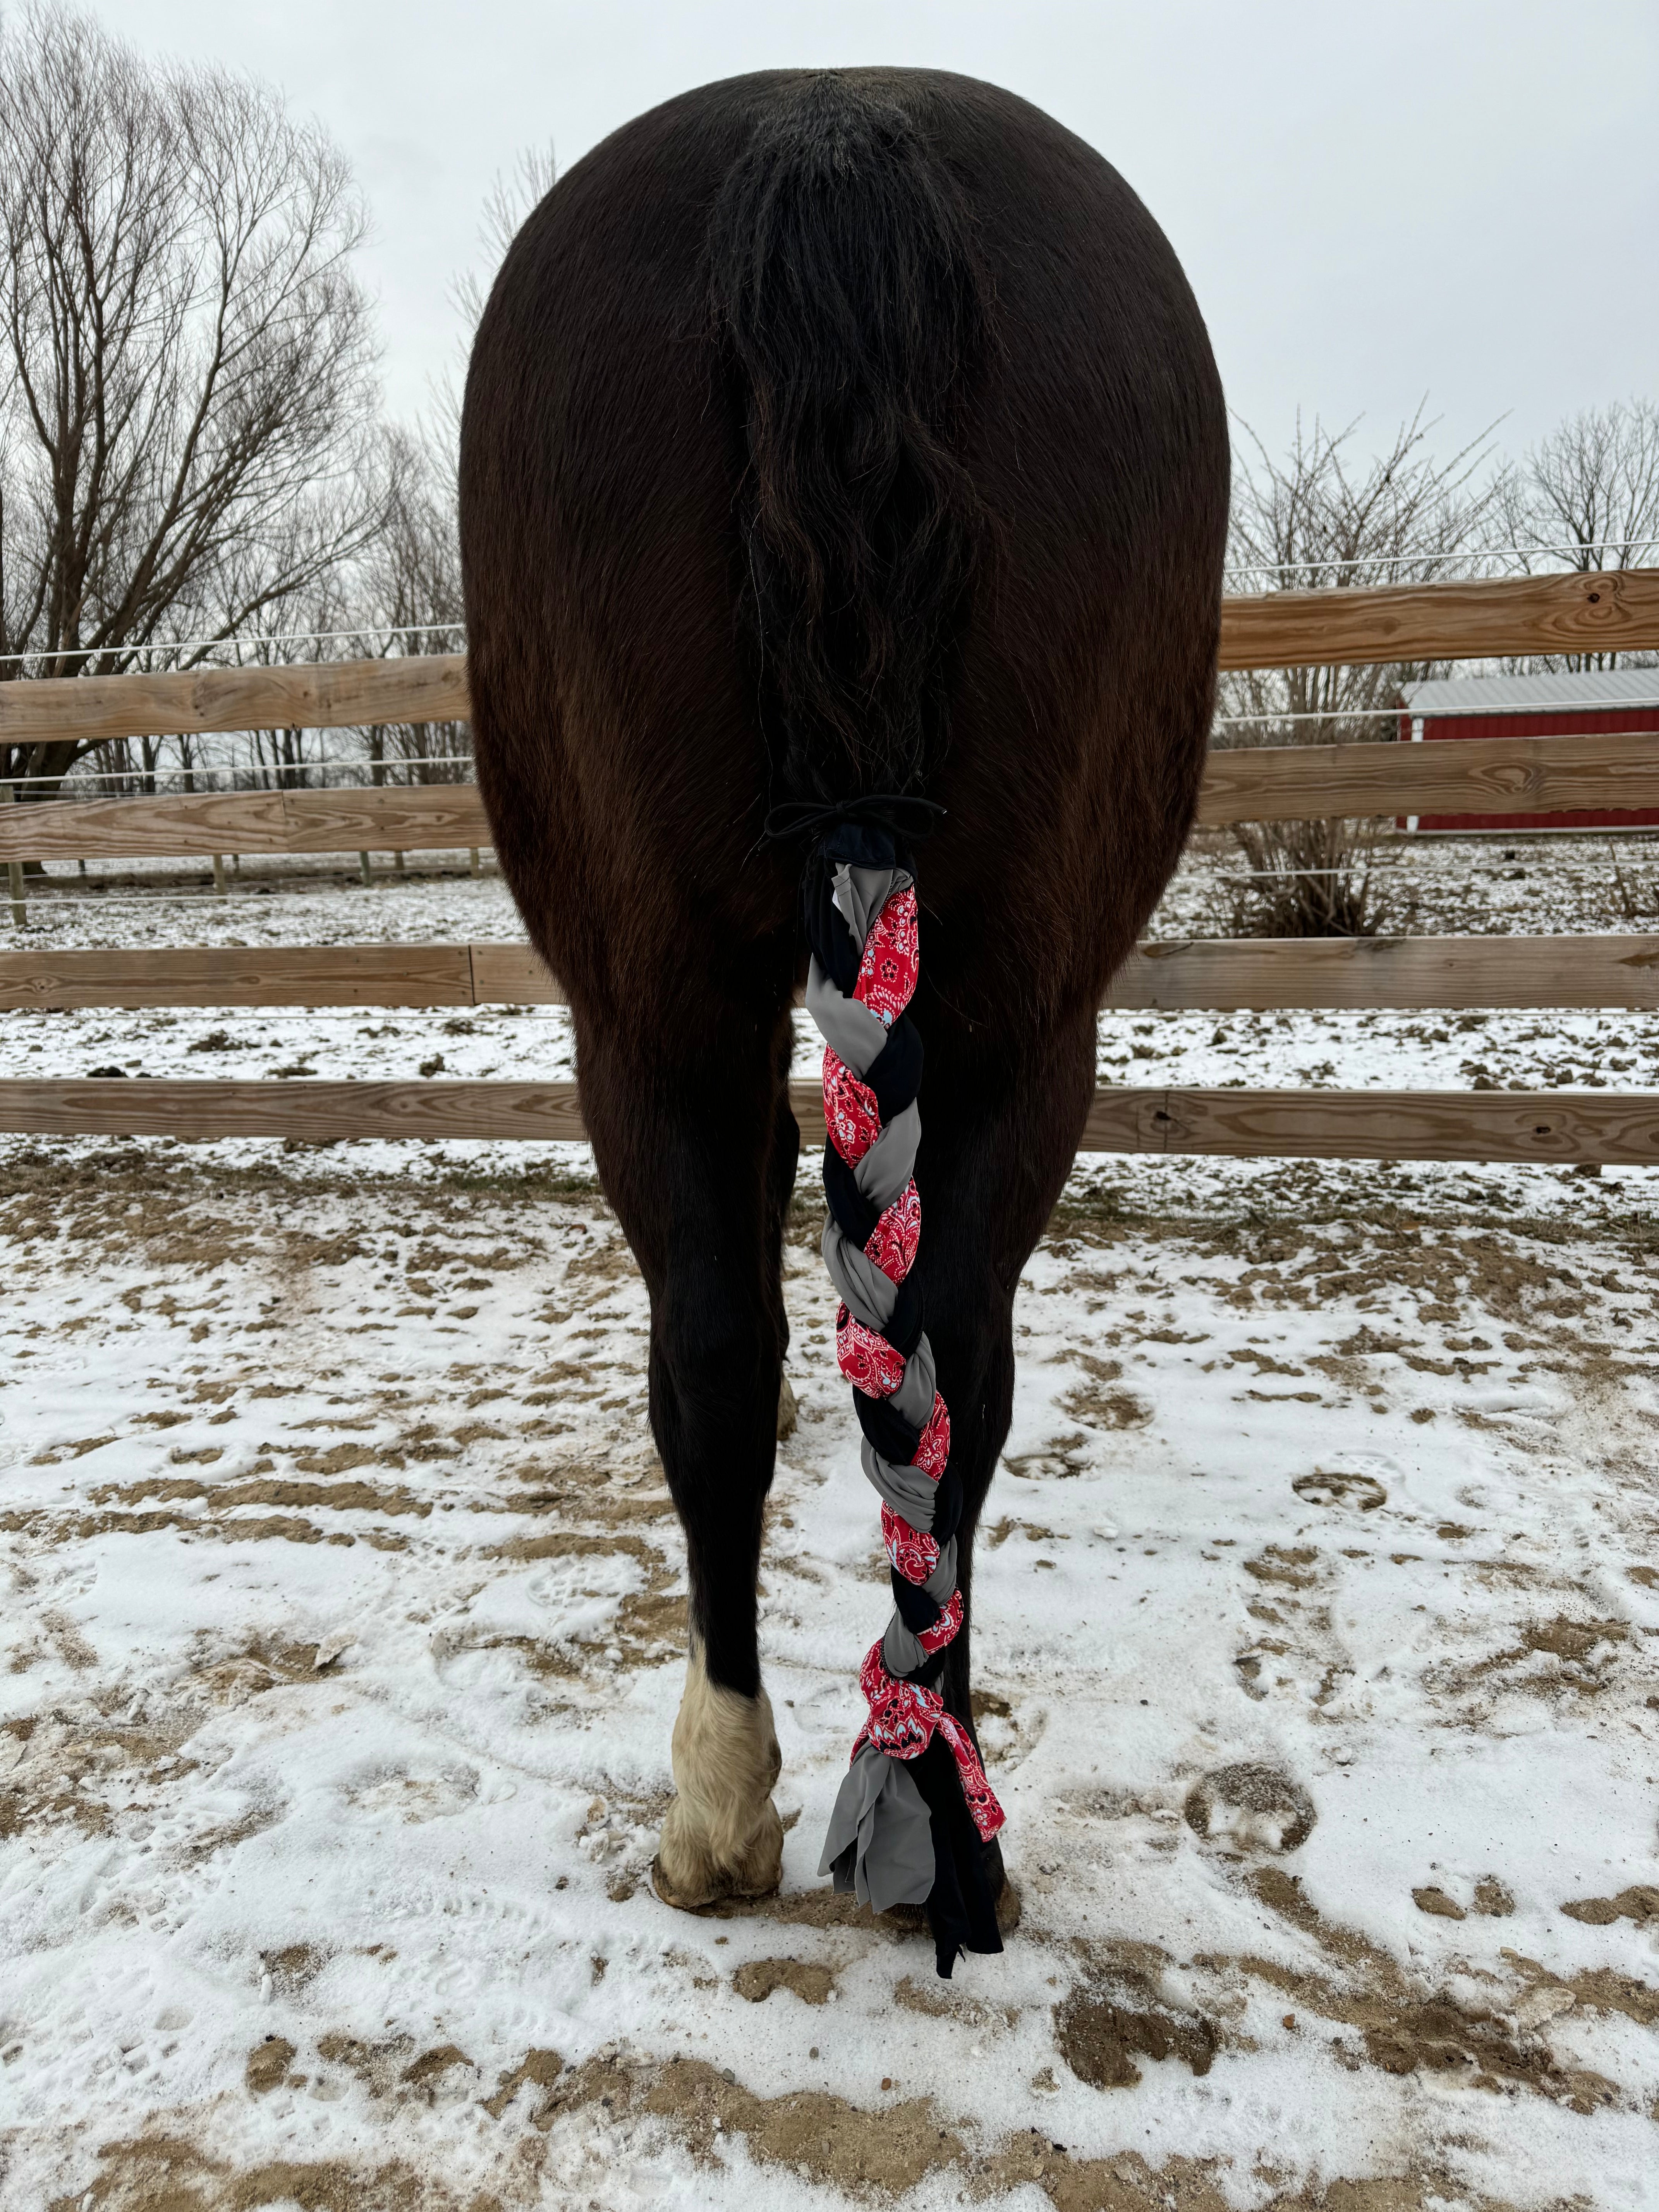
{"x": 1636, "y": 891}
{"x": 1323, "y": 879}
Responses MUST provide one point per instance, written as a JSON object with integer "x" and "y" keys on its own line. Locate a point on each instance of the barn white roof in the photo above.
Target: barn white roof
{"x": 1514, "y": 694}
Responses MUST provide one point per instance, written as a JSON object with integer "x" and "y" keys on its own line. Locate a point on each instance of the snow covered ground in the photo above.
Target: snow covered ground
{"x": 1316, "y": 1614}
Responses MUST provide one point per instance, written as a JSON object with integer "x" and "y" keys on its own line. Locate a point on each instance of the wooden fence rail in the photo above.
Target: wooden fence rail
{"x": 1553, "y": 1129}
{"x": 1472, "y": 776}
{"x": 1218, "y": 975}
{"x": 317, "y": 694}
{"x": 1476, "y": 775}
{"x": 409, "y": 818}
{"x": 1616, "y": 611}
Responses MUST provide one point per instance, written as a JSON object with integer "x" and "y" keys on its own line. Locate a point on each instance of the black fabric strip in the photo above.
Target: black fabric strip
{"x": 961, "y": 1911}
{"x": 887, "y": 1430}
{"x": 853, "y": 1212}
{"x": 867, "y": 845}
{"x": 947, "y": 1505}
{"x": 903, "y": 1329}
{"x": 828, "y": 930}
{"x": 915, "y": 1609}
{"x": 894, "y": 1073}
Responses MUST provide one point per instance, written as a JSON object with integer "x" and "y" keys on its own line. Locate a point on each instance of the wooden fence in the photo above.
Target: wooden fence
{"x": 1551, "y": 614}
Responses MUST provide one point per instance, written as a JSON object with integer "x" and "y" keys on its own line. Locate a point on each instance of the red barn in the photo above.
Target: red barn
{"x": 1608, "y": 702}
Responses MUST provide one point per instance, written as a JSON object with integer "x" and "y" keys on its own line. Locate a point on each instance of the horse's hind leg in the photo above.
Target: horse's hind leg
{"x": 696, "y": 1150}
{"x": 1002, "y": 1112}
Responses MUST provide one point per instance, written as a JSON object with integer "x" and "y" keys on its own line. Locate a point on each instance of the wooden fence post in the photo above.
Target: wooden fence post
{"x": 363, "y": 868}
{"x": 219, "y": 873}
{"x": 20, "y": 913}
{"x": 472, "y": 860}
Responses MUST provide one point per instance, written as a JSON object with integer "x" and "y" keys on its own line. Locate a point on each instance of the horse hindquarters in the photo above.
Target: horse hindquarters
{"x": 829, "y": 466}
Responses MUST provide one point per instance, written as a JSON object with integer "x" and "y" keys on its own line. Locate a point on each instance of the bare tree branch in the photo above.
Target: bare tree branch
{"x": 511, "y": 198}
{"x": 188, "y": 403}
{"x": 1322, "y": 517}
{"x": 1591, "y": 486}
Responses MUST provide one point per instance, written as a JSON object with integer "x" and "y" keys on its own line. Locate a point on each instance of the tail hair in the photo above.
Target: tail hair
{"x": 848, "y": 303}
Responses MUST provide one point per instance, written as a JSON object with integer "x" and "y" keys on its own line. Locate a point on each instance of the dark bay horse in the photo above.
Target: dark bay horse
{"x": 831, "y": 436}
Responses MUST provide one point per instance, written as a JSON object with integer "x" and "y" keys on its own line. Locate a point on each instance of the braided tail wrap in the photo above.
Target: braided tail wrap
{"x": 849, "y": 318}
{"x": 915, "y": 1809}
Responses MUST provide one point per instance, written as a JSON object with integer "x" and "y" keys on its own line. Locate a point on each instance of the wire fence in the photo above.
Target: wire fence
{"x": 1442, "y": 566}
{"x": 393, "y": 771}
{"x": 153, "y": 658}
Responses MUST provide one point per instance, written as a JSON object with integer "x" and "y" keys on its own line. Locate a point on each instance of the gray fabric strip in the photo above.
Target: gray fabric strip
{"x": 885, "y": 1168}
{"x": 915, "y": 1396}
{"x": 850, "y": 1030}
{"x": 907, "y": 1489}
{"x": 901, "y": 1654}
{"x": 887, "y": 1858}
{"x": 870, "y": 1295}
{"x": 943, "y": 1580}
{"x": 861, "y": 893}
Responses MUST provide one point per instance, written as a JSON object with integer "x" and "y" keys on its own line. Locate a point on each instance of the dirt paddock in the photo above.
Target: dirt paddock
{"x": 343, "y": 1629}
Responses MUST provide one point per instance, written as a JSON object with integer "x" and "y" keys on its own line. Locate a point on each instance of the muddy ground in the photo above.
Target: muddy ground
{"x": 1318, "y": 1664}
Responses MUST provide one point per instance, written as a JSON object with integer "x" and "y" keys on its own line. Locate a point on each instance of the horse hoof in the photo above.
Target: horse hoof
{"x": 905, "y": 1919}
{"x": 665, "y": 1893}
{"x": 687, "y": 1875}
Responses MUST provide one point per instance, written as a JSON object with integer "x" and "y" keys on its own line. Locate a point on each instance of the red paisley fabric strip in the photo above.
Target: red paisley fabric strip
{"x": 892, "y": 1242}
{"x": 933, "y": 1452}
{"x": 868, "y": 1361}
{"x": 890, "y": 965}
{"x": 850, "y": 1111}
{"x": 903, "y": 1716}
{"x": 945, "y": 1628}
{"x": 913, "y": 1554}
{"x": 986, "y": 1814}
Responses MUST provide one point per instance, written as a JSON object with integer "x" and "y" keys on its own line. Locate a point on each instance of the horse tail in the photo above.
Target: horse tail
{"x": 848, "y": 304}
{"x": 846, "y": 291}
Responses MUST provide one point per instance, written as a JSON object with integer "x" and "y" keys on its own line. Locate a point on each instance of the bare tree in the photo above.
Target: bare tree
{"x": 1587, "y": 497}
{"x": 510, "y": 200}
{"x": 412, "y": 581}
{"x": 187, "y": 388}
{"x": 1326, "y": 517}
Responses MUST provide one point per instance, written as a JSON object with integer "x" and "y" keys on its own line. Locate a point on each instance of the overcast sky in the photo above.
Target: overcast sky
{"x": 1455, "y": 197}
